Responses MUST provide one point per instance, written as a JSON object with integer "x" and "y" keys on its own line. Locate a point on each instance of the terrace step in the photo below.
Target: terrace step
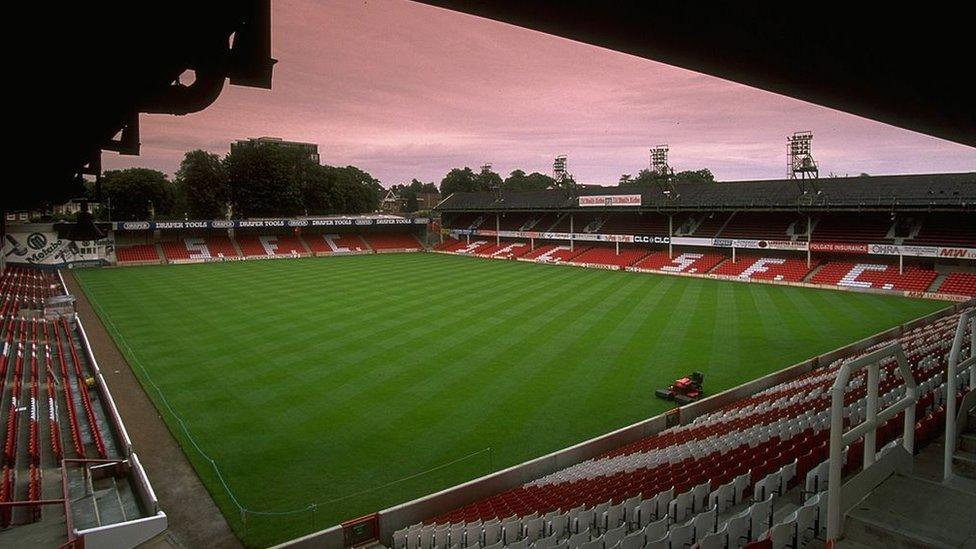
{"x": 891, "y": 516}
{"x": 964, "y": 464}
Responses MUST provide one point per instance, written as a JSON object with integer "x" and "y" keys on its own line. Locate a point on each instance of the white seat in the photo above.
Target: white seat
{"x": 584, "y": 521}
{"x": 442, "y": 536}
{"x": 723, "y": 497}
{"x": 472, "y": 534}
{"x": 633, "y": 540}
{"x": 511, "y": 531}
{"x": 705, "y": 523}
{"x": 413, "y": 538}
{"x": 767, "y": 486}
{"x": 559, "y": 526}
{"x": 646, "y": 512}
{"x": 664, "y": 501}
{"x": 630, "y": 509}
{"x": 593, "y": 544}
{"x": 612, "y": 517}
{"x": 739, "y": 485}
{"x": 520, "y": 544}
{"x": 612, "y": 537}
{"x": 787, "y": 473}
{"x": 714, "y": 540}
{"x": 496, "y": 545}
{"x": 492, "y": 533}
{"x": 782, "y": 535}
{"x": 761, "y": 516}
{"x": 657, "y": 528}
{"x": 427, "y": 537}
{"x": 546, "y": 542}
{"x": 681, "y": 506}
{"x": 456, "y": 534}
{"x": 534, "y": 528}
{"x": 806, "y": 523}
{"x": 579, "y": 538}
{"x": 661, "y": 543}
{"x": 683, "y": 535}
{"x": 699, "y": 497}
{"x": 738, "y": 529}
{"x": 400, "y": 538}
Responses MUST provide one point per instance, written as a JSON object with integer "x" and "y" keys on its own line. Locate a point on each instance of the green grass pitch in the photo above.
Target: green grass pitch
{"x": 310, "y": 380}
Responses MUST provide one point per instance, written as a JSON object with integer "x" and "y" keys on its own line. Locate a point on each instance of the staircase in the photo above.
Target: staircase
{"x": 937, "y": 282}
{"x": 964, "y": 459}
{"x": 909, "y": 512}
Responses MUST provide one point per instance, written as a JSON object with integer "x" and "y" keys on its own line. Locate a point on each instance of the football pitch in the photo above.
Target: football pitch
{"x": 328, "y": 388}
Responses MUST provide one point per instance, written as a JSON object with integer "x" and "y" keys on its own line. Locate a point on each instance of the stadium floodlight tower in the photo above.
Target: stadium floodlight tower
{"x": 662, "y": 172}
{"x": 560, "y": 169}
{"x": 800, "y": 165}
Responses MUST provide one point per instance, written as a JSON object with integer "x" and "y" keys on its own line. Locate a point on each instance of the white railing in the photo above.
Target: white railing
{"x": 868, "y": 429}
{"x": 955, "y": 366}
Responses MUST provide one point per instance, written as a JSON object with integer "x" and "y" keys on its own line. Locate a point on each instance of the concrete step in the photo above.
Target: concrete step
{"x": 848, "y": 544}
{"x": 967, "y": 442}
{"x": 964, "y": 464}
{"x": 907, "y": 512}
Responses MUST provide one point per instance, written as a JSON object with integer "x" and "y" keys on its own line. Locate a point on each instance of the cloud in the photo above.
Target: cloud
{"x": 405, "y": 90}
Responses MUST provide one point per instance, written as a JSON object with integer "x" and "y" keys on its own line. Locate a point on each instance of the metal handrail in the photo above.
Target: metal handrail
{"x": 952, "y": 370}
{"x": 868, "y": 429}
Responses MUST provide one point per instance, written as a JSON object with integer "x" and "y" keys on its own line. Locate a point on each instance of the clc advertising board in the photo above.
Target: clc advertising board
{"x": 605, "y": 200}
{"x": 266, "y": 223}
{"x": 46, "y": 249}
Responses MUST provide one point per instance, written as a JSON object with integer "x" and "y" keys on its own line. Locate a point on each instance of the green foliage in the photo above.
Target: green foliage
{"x": 135, "y": 193}
{"x": 647, "y": 177}
{"x": 264, "y": 181}
{"x": 329, "y": 190}
{"x": 412, "y": 191}
{"x": 202, "y": 186}
{"x": 352, "y": 386}
{"x": 535, "y": 181}
{"x": 703, "y": 175}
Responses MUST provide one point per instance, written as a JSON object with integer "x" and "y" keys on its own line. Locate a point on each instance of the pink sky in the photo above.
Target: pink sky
{"x": 404, "y": 90}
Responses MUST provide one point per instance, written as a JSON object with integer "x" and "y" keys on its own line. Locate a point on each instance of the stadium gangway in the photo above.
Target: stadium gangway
{"x": 868, "y": 429}
{"x": 954, "y": 367}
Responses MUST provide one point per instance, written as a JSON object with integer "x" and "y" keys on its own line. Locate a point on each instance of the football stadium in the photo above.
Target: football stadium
{"x": 270, "y": 351}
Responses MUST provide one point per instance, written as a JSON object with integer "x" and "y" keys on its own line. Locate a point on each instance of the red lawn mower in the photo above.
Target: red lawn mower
{"x": 684, "y": 390}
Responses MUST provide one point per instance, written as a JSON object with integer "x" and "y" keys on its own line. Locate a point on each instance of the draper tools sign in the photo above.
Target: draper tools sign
{"x": 610, "y": 200}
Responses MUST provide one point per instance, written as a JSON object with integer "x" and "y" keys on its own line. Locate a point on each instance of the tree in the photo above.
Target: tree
{"x": 703, "y": 175}
{"x": 264, "y": 181}
{"x": 202, "y": 185}
{"x": 137, "y": 194}
{"x": 486, "y": 180}
{"x": 458, "y": 180}
{"x": 330, "y": 190}
{"x": 519, "y": 181}
{"x": 647, "y": 177}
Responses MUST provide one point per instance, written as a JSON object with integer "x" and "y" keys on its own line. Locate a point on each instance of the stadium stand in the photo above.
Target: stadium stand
{"x": 947, "y": 230}
{"x": 331, "y": 243}
{"x": 137, "y": 253}
{"x": 392, "y": 242}
{"x": 682, "y": 262}
{"x": 863, "y": 227}
{"x": 716, "y": 481}
{"x": 766, "y": 268}
{"x": 270, "y": 245}
{"x": 874, "y": 275}
{"x": 765, "y": 225}
{"x": 199, "y": 248}
{"x": 49, "y": 388}
{"x": 959, "y": 284}
{"x": 552, "y": 253}
{"x": 603, "y": 255}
